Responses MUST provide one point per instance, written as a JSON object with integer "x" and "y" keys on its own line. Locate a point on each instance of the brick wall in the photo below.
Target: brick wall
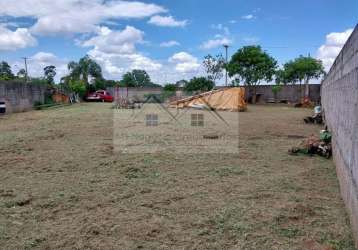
{"x": 19, "y": 96}
{"x": 340, "y": 103}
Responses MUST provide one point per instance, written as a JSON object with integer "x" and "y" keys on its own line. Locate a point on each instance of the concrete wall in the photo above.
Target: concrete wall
{"x": 291, "y": 93}
{"x": 133, "y": 93}
{"x": 340, "y": 103}
{"x": 19, "y": 96}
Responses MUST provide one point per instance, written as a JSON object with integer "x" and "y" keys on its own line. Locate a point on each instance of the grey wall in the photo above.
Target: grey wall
{"x": 291, "y": 93}
{"x": 133, "y": 93}
{"x": 19, "y": 96}
{"x": 340, "y": 103}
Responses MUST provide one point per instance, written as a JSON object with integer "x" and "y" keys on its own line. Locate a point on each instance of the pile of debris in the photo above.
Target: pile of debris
{"x": 313, "y": 145}
{"x": 316, "y": 118}
{"x": 226, "y": 99}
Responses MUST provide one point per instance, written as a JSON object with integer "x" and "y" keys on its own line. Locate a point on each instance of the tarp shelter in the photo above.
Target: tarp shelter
{"x": 228, "y": 99}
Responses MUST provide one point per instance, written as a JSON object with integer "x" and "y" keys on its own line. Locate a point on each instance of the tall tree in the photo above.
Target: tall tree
{"x": 282, "y": 77}
{"x": 302, "y": 70}
{"x": 85, "y": 68}
{"x": 50, "y": 73}
{"x": 214, "y": 67}
{"x": 5, "y": 71}
{"x": 136, "y": 78}
{"x": 251, "y": 65}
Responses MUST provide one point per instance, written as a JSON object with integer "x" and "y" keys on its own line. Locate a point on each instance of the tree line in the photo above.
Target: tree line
{"x": 6, "y": 74}
{"x": 249, "y": 66}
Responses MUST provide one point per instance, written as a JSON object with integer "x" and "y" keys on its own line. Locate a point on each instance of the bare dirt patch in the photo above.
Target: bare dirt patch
{"x": 62, "y": 187}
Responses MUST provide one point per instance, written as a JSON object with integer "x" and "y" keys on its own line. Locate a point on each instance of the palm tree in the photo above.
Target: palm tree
{"x": 83, "y": 69}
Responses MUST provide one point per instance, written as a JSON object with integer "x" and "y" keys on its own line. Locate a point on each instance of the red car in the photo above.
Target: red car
{"x": 100, "y": 96}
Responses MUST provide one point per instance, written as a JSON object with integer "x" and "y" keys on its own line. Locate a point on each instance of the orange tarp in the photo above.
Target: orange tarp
{"x": 230, "y": 99}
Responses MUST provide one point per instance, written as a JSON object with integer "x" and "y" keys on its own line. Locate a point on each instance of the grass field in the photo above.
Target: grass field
{"x": 63, "y": 187}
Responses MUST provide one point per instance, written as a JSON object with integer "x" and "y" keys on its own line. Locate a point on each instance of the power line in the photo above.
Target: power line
{"x": 26, "y": 72}
{"x": 226, "y": 61}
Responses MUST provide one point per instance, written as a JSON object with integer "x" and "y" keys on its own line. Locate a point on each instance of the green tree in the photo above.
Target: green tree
{"x": 214, "y": 67}
{"x": 78, "y": 86}
{"x": 276, "y": 89}
{"x": 85, "y": 68}
{"x": 251, "y": 65}
{"x": 170, "y": 87}
{"x": 302, "y": 70}
{"x": 100, "y": 83}
{"x": 136, "y": 78}
{"x": 169, "y": 91}
{"x": 199, "y": 84}
{"x": 50, "y": 73}
{"x": 5, "y": 71}
{"x": 282, "y": 77}
{"x": 111, "y": 83}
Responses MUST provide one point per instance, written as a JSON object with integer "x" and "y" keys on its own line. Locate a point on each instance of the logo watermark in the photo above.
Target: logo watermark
{"x": 154, "y": 126}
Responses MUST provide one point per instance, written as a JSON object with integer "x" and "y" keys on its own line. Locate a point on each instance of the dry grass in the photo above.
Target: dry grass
{"x": 63, "y": 188}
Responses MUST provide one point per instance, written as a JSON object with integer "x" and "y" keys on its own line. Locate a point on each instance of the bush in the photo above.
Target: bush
{"x": 78, "y": 87}
{"x": 199, "y": 84}
{"x": 170, "y": 87}
{"x": 276, "y": 89}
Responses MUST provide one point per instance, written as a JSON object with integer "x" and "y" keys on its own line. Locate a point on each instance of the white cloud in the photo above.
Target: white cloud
{"x": 17, "y": 39}
{"x": 333, "y": 45}
{"x": 222, "y": 28}
{"x": 75, "y": 16}
{"x": 115, "y": 51}
{"x": 109, "y": 41}
{"x": 44, "y": 57}
{"x": 185, "y": 62}
{"x": 169, "y": 44}
{"x": 167, "y": 21}
{"x": 248, "y": 17}
{"x": 214, "y": 43}
{"x": 115, "y": 65}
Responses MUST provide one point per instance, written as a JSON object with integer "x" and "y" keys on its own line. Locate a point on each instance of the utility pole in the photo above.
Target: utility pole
{"x": 226, "y": 62}
{"x": 26, "y": 73}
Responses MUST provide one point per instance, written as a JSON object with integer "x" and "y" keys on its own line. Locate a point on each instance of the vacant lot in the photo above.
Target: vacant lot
{"x": 62, "y": 187}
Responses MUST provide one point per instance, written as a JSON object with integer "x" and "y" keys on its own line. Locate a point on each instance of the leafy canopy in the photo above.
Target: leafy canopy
{"x": 251, "y": 65}
{"x": 302, "y": 69}
{"x": 85, "y": 68}
{"x": 199, "y": 84}
{"x": 77, "y": 86}
{"x": 137, "y": 78}
{"x": 170, "y": 87}
{"x": 5, "y": 71}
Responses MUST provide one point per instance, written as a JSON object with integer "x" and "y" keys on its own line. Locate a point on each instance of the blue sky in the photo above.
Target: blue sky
{"x": 168, "y": 38}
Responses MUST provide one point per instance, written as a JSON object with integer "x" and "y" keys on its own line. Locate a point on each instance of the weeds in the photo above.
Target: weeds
{"x": 290, "y": 232}
{"x": 228, "y": 171}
